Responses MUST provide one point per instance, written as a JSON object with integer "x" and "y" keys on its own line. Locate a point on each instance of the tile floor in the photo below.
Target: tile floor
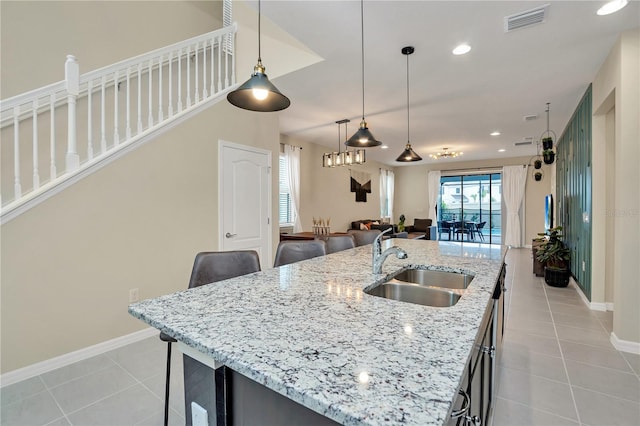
{"x": 557, "y": 368}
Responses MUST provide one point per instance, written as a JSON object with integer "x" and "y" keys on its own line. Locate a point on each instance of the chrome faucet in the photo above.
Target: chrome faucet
{"x": 379, "y": 256}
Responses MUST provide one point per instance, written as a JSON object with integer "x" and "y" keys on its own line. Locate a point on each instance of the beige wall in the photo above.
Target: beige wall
{"x": 325, "y": 192}
{"x": 411, "y": 190}
{"x": 617, "y": 85}
{"x": 38, "y": 35}
{"x": 68, "y": 264}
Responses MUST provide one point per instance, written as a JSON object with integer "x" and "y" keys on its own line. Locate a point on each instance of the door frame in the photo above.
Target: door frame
{"x": 226, "y": 144}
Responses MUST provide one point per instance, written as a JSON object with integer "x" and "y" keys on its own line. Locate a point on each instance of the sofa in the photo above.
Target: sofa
{"x": 369, "y": 224}
{"x": 419, "y": 229}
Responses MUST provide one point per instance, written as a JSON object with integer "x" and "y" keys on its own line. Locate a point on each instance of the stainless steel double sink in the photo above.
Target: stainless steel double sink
{"x": 423, "y": 287}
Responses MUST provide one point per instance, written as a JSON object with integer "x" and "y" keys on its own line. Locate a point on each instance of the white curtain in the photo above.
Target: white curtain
{"x": 383, "y": 193}
{"x": 387, "y": 178}
{"x": 391, "y": 177}
{"x": 433, "y": 189}
{"x": 292, "y": 154}
{"x": 514, "y": 180}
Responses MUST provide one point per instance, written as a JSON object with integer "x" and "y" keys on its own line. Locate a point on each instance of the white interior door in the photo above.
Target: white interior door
{"x": 245, "y": 199}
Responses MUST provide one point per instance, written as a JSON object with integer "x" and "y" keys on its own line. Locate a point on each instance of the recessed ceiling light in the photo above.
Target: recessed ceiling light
{"x": 611, "y": 7}
{"x": 502, "y": 150}
{"x": 496, "y": 133}
{"x": 461, "y": 49}
{"x": 384, "y": 147}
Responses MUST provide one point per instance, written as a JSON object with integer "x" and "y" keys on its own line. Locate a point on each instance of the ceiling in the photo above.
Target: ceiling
{"x": 455, "y": 101}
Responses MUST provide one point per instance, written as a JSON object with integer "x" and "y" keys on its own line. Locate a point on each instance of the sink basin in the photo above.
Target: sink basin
{"x": 414, "y": 293}
{"x": 428, "y": 277}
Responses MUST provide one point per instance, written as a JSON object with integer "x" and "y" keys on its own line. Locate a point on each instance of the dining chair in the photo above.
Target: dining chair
{"x": 479, "y": 229}
{"x": 340, "y": 242}
{"x": 295, "y": 251}
{"x": 364, "y": 237}
{"x": 444, "y": 226}
{"x": 209, "y": 267}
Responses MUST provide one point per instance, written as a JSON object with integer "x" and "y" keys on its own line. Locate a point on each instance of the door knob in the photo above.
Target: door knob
{"x": 229, "y": 235}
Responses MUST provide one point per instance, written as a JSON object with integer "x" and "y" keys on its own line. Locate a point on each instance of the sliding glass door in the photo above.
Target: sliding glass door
{"x": 470, "y": 208}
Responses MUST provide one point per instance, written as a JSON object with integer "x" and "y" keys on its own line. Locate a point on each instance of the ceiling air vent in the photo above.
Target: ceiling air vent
{"x": 530, "y": 117}
{"x": 525, "y": 19}
{"x": 524, "y": 141}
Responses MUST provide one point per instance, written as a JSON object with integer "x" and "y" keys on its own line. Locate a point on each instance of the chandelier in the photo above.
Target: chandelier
{"x": 346, "y": 157}
{"x": 445, "y": 154}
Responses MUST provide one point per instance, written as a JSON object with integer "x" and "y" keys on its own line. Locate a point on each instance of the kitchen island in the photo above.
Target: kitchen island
{"x": 309, "y": 332}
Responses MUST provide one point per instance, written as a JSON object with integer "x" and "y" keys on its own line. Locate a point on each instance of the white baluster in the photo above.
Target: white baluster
{"x": 34, "y": 120}
{"x": 219, "y": 63}
{"x": 180, "y": 80}
{"x": 212, "y": 90}
{"x": 188, "y": 76}
{"x": 52, "y": 137}
{"x": 103, "y": 125}
{"x": 170, "y": 84}
{"x": 233, "y": 59}
{"x": 72, "y": 77}
{"x": 17, "y": 187}
{"x": 139, "y": 98}
{"x": 160, "y": 83}
{"x": 116, "y": 136}
{"x": 197, "y": 94}
{"x": 204, "y": 70}
{"x": 128, "y": 118}
{"x": 89, "y": 120}
{"x": 150, "y": 117}
{"x": 226, "y": 63}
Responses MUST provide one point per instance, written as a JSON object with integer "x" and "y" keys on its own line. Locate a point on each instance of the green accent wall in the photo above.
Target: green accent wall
{"x": 573, "y": 190}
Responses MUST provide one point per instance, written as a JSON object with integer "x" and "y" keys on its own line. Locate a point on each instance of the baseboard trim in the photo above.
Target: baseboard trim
{"x": 594, "y": 306}
{"x": 625, "y": 345}
{"x": 45, "y": 366}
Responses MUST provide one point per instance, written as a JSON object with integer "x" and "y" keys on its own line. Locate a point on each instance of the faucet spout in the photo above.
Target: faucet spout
{"x": 379, "y": 256}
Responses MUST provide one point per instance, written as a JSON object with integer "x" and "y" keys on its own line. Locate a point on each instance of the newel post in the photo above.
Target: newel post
{"x": 72, "y": 78}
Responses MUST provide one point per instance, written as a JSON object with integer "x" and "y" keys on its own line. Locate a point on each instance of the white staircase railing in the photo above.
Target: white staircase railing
{"x": 111, "y": 108}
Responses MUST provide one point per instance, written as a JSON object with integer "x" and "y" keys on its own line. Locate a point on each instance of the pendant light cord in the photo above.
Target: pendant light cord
{"x": 362, "y": 40}
{"x": 259, "y": 47}
{"x": 408, "y": 139}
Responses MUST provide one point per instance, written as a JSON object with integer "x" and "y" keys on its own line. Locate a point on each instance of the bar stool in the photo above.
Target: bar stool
{"x": 209, "y": 267}
{"x": 364, "y": 237}
{"x": 295, "y": 251}
{"x": 340, "y": 242}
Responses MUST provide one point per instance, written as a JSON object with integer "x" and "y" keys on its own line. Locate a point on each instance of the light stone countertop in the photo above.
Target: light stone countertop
{"x": 307, "y": 331}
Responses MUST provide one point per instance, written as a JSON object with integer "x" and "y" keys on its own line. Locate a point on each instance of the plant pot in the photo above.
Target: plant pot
{"x": 556, "y": 277}
{"x": 537, "y": 164}
{"x": 547, "y": 143}
{"x": 538, "y": 267}
{"x": 549, "y": 157}
{"x": 537, "y": 176}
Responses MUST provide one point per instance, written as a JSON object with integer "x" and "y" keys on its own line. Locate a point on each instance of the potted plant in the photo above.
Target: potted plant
{"x": 555, "y": 255}
{"x": 537, "y": 164}
{"x": 401, "y": 223}
{"x": 547, "y": 143}
{"x": 537, "y": 176}
{"x": 548, "y": 156}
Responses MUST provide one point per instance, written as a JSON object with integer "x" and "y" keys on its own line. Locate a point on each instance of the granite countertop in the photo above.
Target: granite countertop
{"x": 309, "y": 332}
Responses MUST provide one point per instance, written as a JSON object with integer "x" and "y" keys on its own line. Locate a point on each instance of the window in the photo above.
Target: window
{"x": 386, "y": 193}
{"x": 285, "y": 208}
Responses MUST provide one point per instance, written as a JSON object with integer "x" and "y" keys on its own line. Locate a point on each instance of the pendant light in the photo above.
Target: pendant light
{"x": 408, "y": 154}
{"x": 258, "y": 93}
{"x": 363, "y": 138}
{"x": 346, "y": 157}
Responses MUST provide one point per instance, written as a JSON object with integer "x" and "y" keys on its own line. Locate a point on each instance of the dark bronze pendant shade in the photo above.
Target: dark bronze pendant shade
{"x": 258, "y": 93}
{"x": 408, "y": 154}
{"x": 363, "y": 138}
